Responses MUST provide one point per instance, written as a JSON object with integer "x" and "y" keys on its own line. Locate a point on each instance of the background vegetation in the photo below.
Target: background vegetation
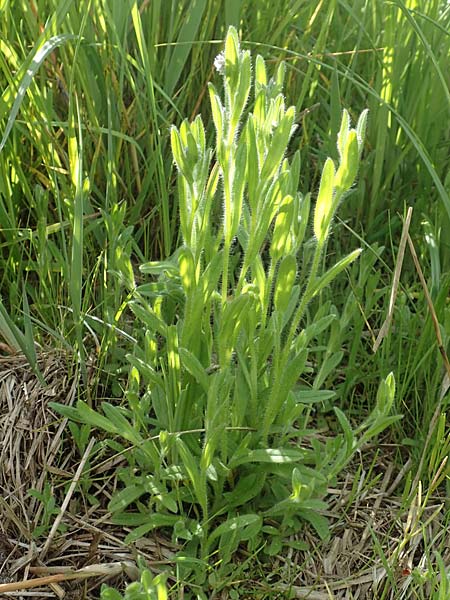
{"x": 89, "y": 93}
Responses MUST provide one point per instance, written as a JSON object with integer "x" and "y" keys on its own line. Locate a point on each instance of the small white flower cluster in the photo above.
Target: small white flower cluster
{"x": 219, "y": 63}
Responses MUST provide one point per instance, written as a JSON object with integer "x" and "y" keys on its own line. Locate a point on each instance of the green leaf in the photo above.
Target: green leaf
{"x": 232, "y": 319}
{"x": 385, "y": 395}
{"x": 243, "y": 91}
{"x": 125, "y": 497}
{"x": 332, "y": 359}
{"x": 69, "y": 412}
{"x": 332, "y": 273}
{"x": 91, "y": 417}
{"x": 361, "y": 129}
{"x": 146, "y": 370}
{"x": 348, "y": 169}
{"x": 148, "y": 317}
{"x": 316, "y": 327}
{"x": 324, "y": 205}
{"x": 232, "y": 52}
{"x": 282, "y": 228}
{"x": 179, "y": 154}
{"x": 311, "y": 396}
{"x": 284, "y": 385}
{"x": 287, "y": 272}
{"x": 318, "y": 521}
{"x": 278, "y": 145}
{"x": 239, "y": 183}
{"x": 191, "y": 363}
{"x": 33, "y": 64}
{"x": 110, "y": 594}
{"x": 347, "y": 429}
{"x": 197, "y": 478}
{"x": 260, "y": 73}
{"x": 247, "y": 488}
{"x": 267, "y": 455}
{"x": 343, "y": 133}
{"x": 115, "y": 416}
{"x": 187, "y": 270}
{"x": 217, "y": 111}
{"x": 153, "y": 521}
{"x": 186, "y": 37}
{"x": 236, "y": 524}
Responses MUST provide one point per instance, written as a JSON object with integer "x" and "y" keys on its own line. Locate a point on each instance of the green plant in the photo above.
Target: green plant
{"x": 223, "y": 451}
{"x": 148, "y": 588}
{"x": 47, "y": 510}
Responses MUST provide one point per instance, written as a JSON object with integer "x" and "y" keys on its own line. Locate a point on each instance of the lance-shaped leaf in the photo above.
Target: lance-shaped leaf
{"x": 198, "y": 131}
{"x": 278, "y": 145}
{"x": 260, "y": 73}
{"x": 385, "y": 396}
{"x": 252, "y": 164}
{"x": 282, "y": 229}
{"x": 361, "y": 129}
{"x": 332, "y": 273}
{"x": 279, "y": 77}
{"x": 348, "y": 168}
{"x": 285, "y": 282}
{"x": 303, "y": 218}
{"x": 217, "y": 111}
{"x": 179, "y": 155}
{"x": 187, "y": 270}
{"x": 324, "y": 205}
{"x": 232, "y": 55}
{"x": 243, "y": 89}
{"x": 343, "y": 133}
{"x": 231, "y": 322}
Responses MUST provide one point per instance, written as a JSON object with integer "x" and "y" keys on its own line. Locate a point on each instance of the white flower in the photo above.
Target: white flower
{"x": 219, "y": 62}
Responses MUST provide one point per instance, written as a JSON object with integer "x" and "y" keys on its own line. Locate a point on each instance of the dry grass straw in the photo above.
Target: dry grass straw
{"x": 365, "y": 506}
{"x": 35, "y": 450}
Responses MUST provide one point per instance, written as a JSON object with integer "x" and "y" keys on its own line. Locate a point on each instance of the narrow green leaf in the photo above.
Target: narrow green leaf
{"x": 287, "y": 272}
{"x": 217, "y": 112}
{"x": 34, "y": 62}
{"x": 348, "y": 169}
{"x": 267, "y": 455}
{"x": 146, "y": 370}
{"x": 361, "y": 129}
{"x": 332, "y": 273}
{"x": 194, "y": 367}
{"x": 318, "y": 521}
{"x": 278, "y": 145}
{"x": 153, "y": 521}
{"x": 260, "y": 73}
{"x": 187, "y": 270}
{"x": 247, "y": 488}
{"x": 347, "y": 429}
{"x": 121, "y": 423}
{"x": 185, "y": 39}
{"x": 179, "y": 154}
{"x": 281, "y": 233}
{"x": 235, "y": 524}
{"x": 343, "y": 133}
{"x": 93, "y": 418}
{"x": 148, "y": 317}
{"x": 125, "y": 497}
{"x": 197, "y": 478}
{"x": 324, "y": 205}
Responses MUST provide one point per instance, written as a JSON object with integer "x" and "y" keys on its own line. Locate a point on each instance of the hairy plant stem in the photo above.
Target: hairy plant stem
{"x": 281, "y": 354}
